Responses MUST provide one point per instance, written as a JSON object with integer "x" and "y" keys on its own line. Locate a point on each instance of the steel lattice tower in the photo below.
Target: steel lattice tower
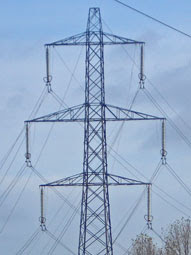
{"x": 95, "y": 199}
{"x": 95, "y": 223}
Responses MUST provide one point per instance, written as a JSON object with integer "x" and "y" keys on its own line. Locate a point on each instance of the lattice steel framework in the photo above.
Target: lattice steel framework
{"x": 95, "y": 224}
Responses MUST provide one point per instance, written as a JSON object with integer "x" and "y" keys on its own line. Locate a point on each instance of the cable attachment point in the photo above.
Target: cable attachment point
{"x": 141, "y": 75}
{"x": 163, "y": 150}
{"x": 42, "y": 219}
{"x": 149, "y": 217}
{"x": 48, "y": 77}
{"x": 28, "y": 161}
{"x": 27, "y": 154}
{"x": 42, "y": 223}
{"x": 142, "y": 79}
{"x": 48, "y": 80}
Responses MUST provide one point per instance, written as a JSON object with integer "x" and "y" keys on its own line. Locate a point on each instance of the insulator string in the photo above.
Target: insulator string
{"x": 27, "y": 154}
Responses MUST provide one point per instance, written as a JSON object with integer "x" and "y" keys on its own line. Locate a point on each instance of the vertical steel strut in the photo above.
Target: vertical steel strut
{"x": 95, "y": 208}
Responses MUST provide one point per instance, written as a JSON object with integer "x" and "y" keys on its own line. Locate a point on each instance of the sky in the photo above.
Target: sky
{"x": 24, "y": 28}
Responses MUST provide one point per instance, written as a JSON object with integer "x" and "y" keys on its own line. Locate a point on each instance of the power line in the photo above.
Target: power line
{"x": 5, "y": 194}
{"x": 171, "y": 122}
{"x": 29, "y": 241}
{"x": 130, "y": 216}
{"x": 61, "y": 243}
{"x": 169, "y": 203}
{"x": 157, "y": 234}
{"x": 59, "y": 238}
{"x": 153, "y": 176}
{"x": 13, "y": 160}
{"x": 180, "y": 181}
{"x": 55, "y": 190}
{"x": 154, "y": 19}
{"x": 127, "y": 251}
{"x": 3, "y": 161}
{"x": 7, "y": 155}
{"x": 167, "y": 103}
{"x": 16, "y": 203}
{"x": 54, "y": 247}
{"x": 165, "y": 114}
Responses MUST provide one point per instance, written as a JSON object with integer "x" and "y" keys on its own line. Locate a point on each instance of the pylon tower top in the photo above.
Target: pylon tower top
{"x": 94, "y": 20}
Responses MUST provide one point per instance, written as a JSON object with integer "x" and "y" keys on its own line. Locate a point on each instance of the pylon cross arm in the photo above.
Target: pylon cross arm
{"x": 115, "y": 39}
{"x": 76, "y": 114}
{"x": 77, "y": 180}
{"x": 115, "y": 113}
{"x": 81, "y": 40}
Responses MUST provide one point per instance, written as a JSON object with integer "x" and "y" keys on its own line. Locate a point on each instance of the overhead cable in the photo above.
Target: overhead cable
{"x": 170, "y": 121}
{"x": 171, "y": 197}
{"x": 61, "y": 243}
{"x": 154, "y": 19}
{"x": 12, "y": 185}
{"x": 12, "y": 161}
{"x": 16, "y": 203}
{"x": 137, "y": 204}
{"x": 29, "y": 241}
{"x": 55, "y": 190}
{"x": 32, "y": 114}
{"x": 58, "y": 240}
{"x": 128, "y": 249}
{"x": 154, "y": 176}
{"x": 185, "y": 187}
{"x": 154, "y": 87}
{"x": 53, "y": 219}
{"x": 167, "y": 103}
{"x": 157, "y": 234}
{"x": 3, "y": 161}
{"x": 72, "y": 72}
{"x": 169, "y": 203}
{"x": 130, "y": 216}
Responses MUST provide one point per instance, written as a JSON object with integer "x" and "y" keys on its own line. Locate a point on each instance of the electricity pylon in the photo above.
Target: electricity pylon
{"x": 95, "y": 235}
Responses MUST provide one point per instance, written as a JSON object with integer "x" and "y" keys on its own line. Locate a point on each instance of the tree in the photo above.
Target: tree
{"x": 143, "y": 245}
{"x": 177, "y": 238}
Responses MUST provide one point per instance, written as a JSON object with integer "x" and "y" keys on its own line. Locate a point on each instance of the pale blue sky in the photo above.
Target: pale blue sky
{"x": 25, "y": 26}
{"x": 28, "y": 19}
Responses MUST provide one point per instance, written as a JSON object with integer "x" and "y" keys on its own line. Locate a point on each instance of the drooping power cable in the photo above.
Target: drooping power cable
{"x": 154, "y": 19}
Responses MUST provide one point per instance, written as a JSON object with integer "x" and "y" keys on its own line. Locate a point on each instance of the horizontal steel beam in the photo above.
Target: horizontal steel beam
{"x": 87, "y": 38}
{"x": 92, "y": 184}
{"x": 93, "y": 120}
{"x": 77, "y": 180}
{"x": 76, "y": 114}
